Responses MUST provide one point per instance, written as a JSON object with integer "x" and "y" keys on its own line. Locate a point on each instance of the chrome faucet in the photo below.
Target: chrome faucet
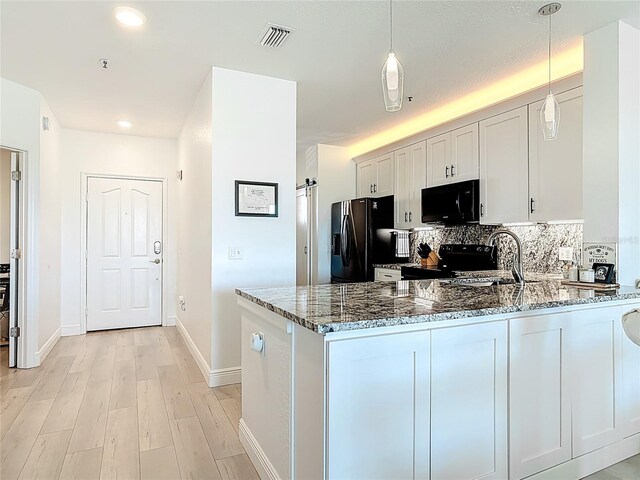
{"x": 516, "y": 270}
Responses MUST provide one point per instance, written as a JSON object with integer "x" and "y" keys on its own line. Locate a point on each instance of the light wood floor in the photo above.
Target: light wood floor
{"x": 127, "y": 404}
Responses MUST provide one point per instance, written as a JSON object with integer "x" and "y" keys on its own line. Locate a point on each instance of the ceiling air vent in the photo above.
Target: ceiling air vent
{"x": 274, "y": 35}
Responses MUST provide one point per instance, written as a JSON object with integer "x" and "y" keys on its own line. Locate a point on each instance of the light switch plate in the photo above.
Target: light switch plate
{"x": 235, "y": 253}
{"x": 565, "y": 253}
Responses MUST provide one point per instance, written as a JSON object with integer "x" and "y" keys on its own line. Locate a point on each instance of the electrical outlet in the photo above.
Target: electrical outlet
{"x": 235, "y": 253}
{"x": 565, "y": 253}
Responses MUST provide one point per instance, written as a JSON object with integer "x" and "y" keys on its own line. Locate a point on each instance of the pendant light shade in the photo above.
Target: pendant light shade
{"x": 392, "y": 74}
{"x": 550, "y": 111}
{"x": 550, "y": 117}
{"x": 392, "y": 83}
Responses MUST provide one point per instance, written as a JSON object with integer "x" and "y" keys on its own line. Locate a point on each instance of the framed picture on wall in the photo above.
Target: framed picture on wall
{"x": 256, "y": 199}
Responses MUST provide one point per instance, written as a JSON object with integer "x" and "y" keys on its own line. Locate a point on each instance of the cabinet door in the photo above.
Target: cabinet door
{"x": 361, "y": 372}
{"x": 365, "y": 174}
{"x": 401, "y": 191}
{"x": 540, "y": 406}
{"x": 504, "y": 182}
{"x": 555, "y": 167}
{"x": 465, "y": 154}
{"x": 596, "y": 360}
{"x": 416, "y": 181}
{"x": 469, "y": 402}
{"x": 438, "y": 160}
{"x": 630, "y": 401}
{"x": 383, "y": 180}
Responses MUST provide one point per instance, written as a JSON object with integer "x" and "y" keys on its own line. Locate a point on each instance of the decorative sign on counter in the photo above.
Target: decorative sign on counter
{"x": 599, "y": 252}
{"x": 256, "y": 199}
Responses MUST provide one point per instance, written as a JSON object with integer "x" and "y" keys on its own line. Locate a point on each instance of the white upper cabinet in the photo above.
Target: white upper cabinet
{"x": 453, "y": 156}
{"x": 438, "y": 159}
{"x": 555, "y": 167}
{"x": 375, "y": 178}
{"x": 410, "y": 178}
{"x": 464, "y": 154}
{"x": 504, "y": 155}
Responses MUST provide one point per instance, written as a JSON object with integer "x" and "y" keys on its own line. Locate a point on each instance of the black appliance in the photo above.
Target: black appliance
{"x": 453, "y": 258}
{"x": 453, "y": 203}
{"x": 362, "y": 234}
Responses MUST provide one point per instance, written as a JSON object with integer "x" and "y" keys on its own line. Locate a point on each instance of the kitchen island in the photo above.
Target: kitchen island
{"x": 438, "y": 379}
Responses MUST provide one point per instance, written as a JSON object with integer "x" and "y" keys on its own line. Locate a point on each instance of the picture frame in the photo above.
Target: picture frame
{"x": 603, "y": 272}
{"x": 256, "y": 199}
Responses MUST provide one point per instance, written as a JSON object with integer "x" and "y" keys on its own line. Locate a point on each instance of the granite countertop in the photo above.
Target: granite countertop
{"x": 354, "y": 306}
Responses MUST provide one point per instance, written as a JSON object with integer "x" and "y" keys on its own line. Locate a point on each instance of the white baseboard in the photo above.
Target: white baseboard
{"x": 171, "y": 321}
{"x": 214, "y": 378}
{"x": 260, "y": 461}
{"x": 225, "y": 376}
{"x": 48, "y": 345}
{"x": 69, "y": 330}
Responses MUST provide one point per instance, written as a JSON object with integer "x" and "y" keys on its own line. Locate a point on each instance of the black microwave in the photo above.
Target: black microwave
{"x": 453, "y": 203}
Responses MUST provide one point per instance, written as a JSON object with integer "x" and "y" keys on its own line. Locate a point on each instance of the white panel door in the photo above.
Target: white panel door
{"x": 596, "y": 364}
{"x": 438, "y": 160}
{"x": 555, "y": 168}
{"x": 540, "y": 406}
{"x": 401, "y": 195}
{"x": 360, "y": 401}
{"x": 365, "y": 173}
{"x": 504, "y": 176}
{"x": 469, "y": 402}
{"x": 124, "y": 275}
{"x": 630, "y": 400}
{"x": 384, "y": 182}
{"x": 416, "y": 181}
{"x": 465, "y": 154}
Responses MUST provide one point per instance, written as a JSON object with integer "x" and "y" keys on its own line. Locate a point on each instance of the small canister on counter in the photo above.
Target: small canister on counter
{"x": 573, "y": 273}
{"x": 587, "y": 275}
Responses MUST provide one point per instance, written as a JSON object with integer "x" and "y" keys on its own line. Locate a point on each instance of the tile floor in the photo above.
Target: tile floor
{"x": 126, "y": 404}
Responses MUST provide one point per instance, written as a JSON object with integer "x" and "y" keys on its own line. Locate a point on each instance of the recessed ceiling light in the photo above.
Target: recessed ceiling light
{"x": 130, "y": 17}
{"x": 125, "y": 123}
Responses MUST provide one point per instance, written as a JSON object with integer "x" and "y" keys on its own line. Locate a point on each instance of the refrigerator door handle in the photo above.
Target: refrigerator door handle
{"x": 344, "y": 240}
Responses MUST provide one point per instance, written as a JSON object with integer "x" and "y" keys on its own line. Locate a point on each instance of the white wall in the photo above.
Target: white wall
{"x": 611, "y": 144}
{"x": 254, "y": 138}
{"x": 20, "y": 129}
{"x": 102, "y": 153}
{"x": 194, "y": 225}
{"x": 5, "y": 204}
{"x": 336, "y": 182}
{"x": 50, "y": 232}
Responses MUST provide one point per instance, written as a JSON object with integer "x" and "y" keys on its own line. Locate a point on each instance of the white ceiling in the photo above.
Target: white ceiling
{"x": 447, "y": 48}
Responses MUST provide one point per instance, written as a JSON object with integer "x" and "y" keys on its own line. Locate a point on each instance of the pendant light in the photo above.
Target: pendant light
{"x": 392, "y": 74}
{"x": 550, "y": 112}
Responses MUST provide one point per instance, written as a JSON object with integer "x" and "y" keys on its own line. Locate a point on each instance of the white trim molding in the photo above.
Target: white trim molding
{"x": 256, "y": 454}
{"x": 214, "y": 378}
{"x": 48, "y": 346}
{"x": 171, "y": 321}
{"x": 70, "y": 330}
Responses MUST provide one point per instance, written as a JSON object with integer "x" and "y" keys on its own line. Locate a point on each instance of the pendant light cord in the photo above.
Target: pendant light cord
{"x": 391, "y": 25}
{"x": 550, "y": 53}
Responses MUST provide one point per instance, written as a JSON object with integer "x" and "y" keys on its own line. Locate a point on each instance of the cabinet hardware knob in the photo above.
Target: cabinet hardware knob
{"x": 446, "y": 171}
{"x": 405, "y": 217}
{"x": 371, "y": 188}
{"x": 532, "y": 205}
{"x": 452, "y": 174}
{"x": 375, "y": 187}
{"x": 409, "y": 216}
{"x": 481, "y": 210}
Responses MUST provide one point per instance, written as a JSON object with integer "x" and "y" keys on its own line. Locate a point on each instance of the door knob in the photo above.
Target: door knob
{"x": 156, "y": 261}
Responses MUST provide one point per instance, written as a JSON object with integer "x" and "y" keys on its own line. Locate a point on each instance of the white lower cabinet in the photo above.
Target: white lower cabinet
{"x": 596, "y": 371}
{"x": 378, "y": 384}
{"x": 540, "y": 394}
{"x": 387, "y": 275}
{"x": 469, "y": 402}
{"x": 630, "y": 402}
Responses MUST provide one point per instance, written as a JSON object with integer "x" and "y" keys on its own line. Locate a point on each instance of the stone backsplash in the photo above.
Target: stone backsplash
{"x": 540, "y": 243}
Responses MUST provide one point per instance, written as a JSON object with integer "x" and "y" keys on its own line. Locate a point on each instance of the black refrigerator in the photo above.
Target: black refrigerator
{"x": 362, "y": 235}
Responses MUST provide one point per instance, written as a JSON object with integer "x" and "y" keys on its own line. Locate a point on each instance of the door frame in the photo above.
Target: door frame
{"x": 27, "y": 291}
{"x": 84, "y": 225}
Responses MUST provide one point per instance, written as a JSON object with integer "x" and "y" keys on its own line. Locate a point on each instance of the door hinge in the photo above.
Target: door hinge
{"x": 86, "y": 312}
{"x": 14, "y": 332}
{"x": 16, "y": 254}
{"x": 16, "y": 175}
